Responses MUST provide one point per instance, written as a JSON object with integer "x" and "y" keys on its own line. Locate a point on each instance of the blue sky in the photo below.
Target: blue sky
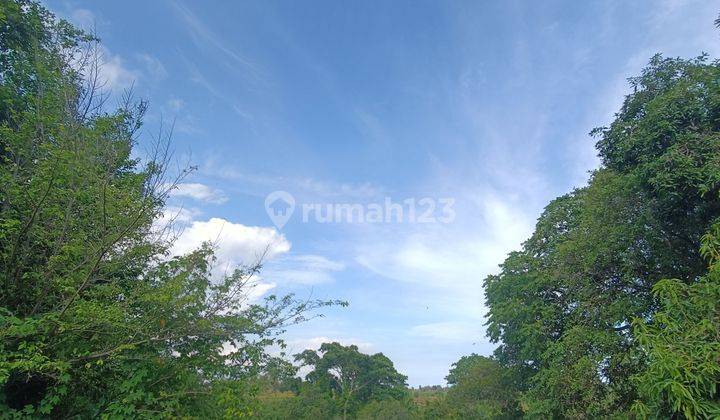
{"x": 488, "y": 103}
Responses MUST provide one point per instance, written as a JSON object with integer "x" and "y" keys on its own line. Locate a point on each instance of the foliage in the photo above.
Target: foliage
{"x": 387, "y": 409}
{"x": 308, "y": 403}
{"x": 481, "y": 388}
{"x": 682, "y": 343}
{"x": 563, "y": 307}
{"x": 351, "y": 377}
{"x": 96, "y": 318}
{"x": 343, "y": 383}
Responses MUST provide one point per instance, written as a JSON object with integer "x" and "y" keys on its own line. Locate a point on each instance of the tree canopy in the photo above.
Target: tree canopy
{"x": 352, "y": 377}
{"x": 582, "y": 311}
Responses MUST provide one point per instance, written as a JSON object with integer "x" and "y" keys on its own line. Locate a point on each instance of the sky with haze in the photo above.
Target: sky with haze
{"x": 488, "y": 103}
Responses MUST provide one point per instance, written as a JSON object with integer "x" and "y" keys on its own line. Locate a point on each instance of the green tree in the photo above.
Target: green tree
{"x": 480, "y": 387}
{"x": 352, "y": 378}
{"x": 682, "y": 344}
{"x": 279, "y": 375}
{"x": 96, "y": 318}
{"x": 563, "y": 307}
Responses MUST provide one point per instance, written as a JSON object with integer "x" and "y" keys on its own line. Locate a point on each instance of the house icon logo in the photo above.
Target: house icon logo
{"x": 279, "y": 206}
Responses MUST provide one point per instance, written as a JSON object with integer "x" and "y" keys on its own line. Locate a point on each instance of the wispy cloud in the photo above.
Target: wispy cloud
{"x": 303, "y": 269}
{"x": 153, "y": 66}
{"x": 224, "y": 96}
{"x": 314, "y": 343}
{"x": 83, "y": 18}
{"x": 175, "y": 104}
{"x": 199, "y": 192}
{"x": 115, "y": 72}
{"x": 303, "y": 187}
{"x": 204, "y": 37}
{"x": 447, "y": 263}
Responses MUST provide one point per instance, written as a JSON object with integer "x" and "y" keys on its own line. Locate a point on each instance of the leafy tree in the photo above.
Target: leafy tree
{"x": 462, "y": 367}
{"x": 682, "y": 343}
{"x": 563, "y": 307}
{"x": 96, "y": 318}
{"x": 279, "y": 375}
{"x": 350, "y": 377}
{"x": 481, "y": 388}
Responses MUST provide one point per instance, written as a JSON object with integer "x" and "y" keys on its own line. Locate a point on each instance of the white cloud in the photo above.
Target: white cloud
{"x": 258, "y": 289}
{"x": 303, "y": 188}
{"x": 115, "y": 75}
{"x": 450, "y": 256}
{"x": 113, "y": 72}
{"x": 236, "y": 243}
{"x": 175, "y": 214}
{"x": 443, "y": 266}
{"x": 199, "y": 192}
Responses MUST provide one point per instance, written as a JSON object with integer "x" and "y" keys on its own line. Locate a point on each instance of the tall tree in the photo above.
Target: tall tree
{"x": 352, "y": 377}
{"x": 480, "y": 387}
{"x": 96, "y": 318}
{"x": 563, "y": 307}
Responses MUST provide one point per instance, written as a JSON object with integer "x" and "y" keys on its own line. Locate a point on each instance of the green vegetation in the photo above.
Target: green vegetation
{"x": 342, "y": 382}
{"x": 96, "y": 319}
{"x": 588, "y": 323}
{"x": 610, "y": 309}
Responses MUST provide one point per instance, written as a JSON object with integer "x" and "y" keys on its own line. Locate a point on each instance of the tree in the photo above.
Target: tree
{"x": 351, "y": 377}
{"x": 682, "y": 344}
{"x": 563, "y": 307}
{"x": 481, "y": 388}
{"x": 279, "y": 375}
{"x": 96, "y": 318}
